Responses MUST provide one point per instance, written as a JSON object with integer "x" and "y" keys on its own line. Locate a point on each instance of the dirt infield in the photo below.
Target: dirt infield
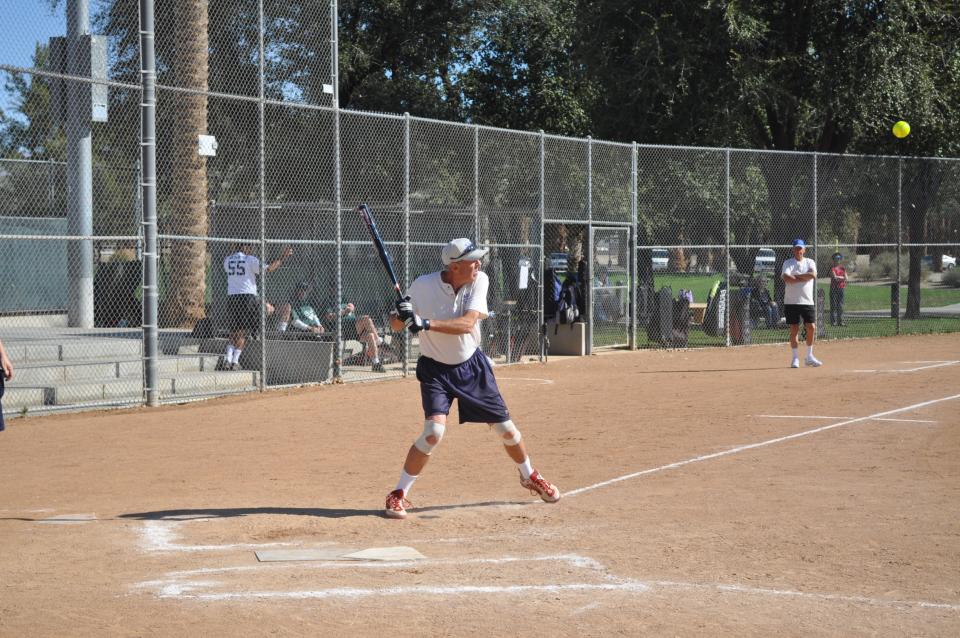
{"x": 712, "y": 492}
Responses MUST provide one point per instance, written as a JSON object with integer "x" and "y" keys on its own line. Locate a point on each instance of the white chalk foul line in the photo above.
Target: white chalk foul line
{"x": 572, "y": 560}
{"x": 361, "y": 592}
{"x": 534, "y": 379}
{"x": 178, "y": 585}
{"x": 159, "y": 536}
{"x": 832, "y": 418}
{"x": 933, "y": 364}
{"x": 753, "y": 446}
{"x": 764, "y": 591}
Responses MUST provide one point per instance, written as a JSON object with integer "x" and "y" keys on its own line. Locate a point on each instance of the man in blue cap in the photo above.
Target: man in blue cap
{"x": 800, "y": 276}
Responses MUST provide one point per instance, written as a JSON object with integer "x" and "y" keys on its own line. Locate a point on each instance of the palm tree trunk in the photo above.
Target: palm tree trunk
{"x": 183, "y": 303}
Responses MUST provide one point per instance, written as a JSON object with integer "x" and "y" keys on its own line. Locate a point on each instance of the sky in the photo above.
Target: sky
{"x": 23, "y": 23}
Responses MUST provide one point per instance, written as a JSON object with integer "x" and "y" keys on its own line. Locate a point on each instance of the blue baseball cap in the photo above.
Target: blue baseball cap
{"x": 798, "y": 243}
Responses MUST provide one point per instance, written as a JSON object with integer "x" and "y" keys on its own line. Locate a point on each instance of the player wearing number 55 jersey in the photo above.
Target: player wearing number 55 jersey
{"x": 445, "y": 309}
{"x": 243, "y": 304}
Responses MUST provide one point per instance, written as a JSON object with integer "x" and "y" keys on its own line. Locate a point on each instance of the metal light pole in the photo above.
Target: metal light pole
{"x": 79, "y": 168}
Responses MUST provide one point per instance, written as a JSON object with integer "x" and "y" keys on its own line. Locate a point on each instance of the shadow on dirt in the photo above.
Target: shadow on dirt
{"x": 319, "y": 512}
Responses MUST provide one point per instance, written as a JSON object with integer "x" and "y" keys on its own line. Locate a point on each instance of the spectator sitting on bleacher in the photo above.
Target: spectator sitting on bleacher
{"x": 366, "y": 331}
{"x": 298, "y": 314}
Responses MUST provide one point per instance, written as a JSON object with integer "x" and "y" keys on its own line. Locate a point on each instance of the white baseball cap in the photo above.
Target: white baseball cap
{"x": 462, "y": 249}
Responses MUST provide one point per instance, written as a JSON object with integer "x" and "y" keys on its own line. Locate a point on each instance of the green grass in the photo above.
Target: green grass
{"x": 856, "y": 328}
{"x": 858, "y": 296}
{"x": 862, "y": 297}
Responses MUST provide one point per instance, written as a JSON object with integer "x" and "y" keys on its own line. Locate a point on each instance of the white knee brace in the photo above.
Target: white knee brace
{"x": 508, "y": 432}
{"x": 432, "y": 433}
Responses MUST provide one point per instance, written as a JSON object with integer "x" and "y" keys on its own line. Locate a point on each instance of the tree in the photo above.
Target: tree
{"x": 183, "y": 54}
{"x": 407, "y": 55}
{"x": 522, "y": 75}
{"x": 808, "y": 75}
{"x": 183, "y": 303}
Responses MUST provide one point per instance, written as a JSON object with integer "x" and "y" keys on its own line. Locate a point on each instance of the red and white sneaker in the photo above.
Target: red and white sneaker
{"x": 396, "y": 505}
{"x": 541, "y": 487}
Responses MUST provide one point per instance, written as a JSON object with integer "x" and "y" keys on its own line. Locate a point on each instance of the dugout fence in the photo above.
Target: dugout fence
{"x": 251, "y": 148}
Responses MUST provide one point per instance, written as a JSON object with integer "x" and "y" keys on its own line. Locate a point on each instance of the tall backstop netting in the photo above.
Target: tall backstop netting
{"x": 665, "y": 246}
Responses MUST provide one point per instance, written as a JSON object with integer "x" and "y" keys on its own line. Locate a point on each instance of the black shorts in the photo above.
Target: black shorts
{"x": 796, "y": 312}
{"x": 243, "y": 312}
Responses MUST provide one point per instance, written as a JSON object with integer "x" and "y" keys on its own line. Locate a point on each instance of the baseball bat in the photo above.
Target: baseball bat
{"x": 367, "y": 217}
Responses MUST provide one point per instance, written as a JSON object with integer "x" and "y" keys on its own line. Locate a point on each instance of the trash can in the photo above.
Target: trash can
{"x": 894, "y": 300}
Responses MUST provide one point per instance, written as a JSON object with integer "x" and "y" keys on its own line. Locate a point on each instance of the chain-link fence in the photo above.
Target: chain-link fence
{"x": 266, "y": 276}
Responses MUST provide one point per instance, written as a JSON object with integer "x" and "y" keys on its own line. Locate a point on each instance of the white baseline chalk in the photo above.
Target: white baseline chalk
{"x": 753, "y": 446}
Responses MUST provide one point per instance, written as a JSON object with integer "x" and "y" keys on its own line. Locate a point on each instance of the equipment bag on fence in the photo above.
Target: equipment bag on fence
{"x": 740, "y": 323}
{"x": 679, "y": 336}
{"x": 567, "y": 310}
{"x": 714, "y": 319}
{"x": 660, "y": 328}
{"x": 551, "y": 293}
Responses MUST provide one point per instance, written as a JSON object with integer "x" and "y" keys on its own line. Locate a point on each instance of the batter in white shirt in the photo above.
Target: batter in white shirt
{"x": 444, "y": 310}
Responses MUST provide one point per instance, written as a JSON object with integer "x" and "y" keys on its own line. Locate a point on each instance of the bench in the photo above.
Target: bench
{"x": 567, "y": 338}
{"x": 290, "y": 359}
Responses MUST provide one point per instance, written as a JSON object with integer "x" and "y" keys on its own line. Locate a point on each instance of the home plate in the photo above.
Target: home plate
{"x": 334, "y": 553}
{"x": 69, "y": 519}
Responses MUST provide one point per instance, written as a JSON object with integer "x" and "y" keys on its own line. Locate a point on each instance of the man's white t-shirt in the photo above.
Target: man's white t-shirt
{"x": 799, "y": 294}
{"x": 434, "y": 299}
{"x": 242, "y": 271}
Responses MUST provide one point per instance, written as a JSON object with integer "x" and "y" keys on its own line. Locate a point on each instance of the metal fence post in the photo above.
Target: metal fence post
{"x": 543, "y": 249}
{"x": 816, "y": 245}
{"x": 899, "y": 234}
{"x": 476, "y": 183}
{"x": 263, "y": 209}
{"x": 406, "y": 231}
{"x": 726, "y": 249}
{"x": 634, "y": 266}
{"x": 588, "y": 284}
{"x": 148, "y": 189}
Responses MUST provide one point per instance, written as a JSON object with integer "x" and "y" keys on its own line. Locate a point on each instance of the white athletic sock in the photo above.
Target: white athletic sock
{"x": 228, "y": 358}
{"x": 236, "y": 355}
{"x": 282, "y": 326}
{"x": 795, "y": 355}
{"x": 525, "y": 468}
{"x": 375, "y": 360}
{"x": 405, "y": 482}
{"x": 809, "y": 351}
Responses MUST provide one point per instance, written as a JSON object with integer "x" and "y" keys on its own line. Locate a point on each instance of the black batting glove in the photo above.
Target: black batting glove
{"x": 405, "y": 310}
{"x": 417, "y": 323}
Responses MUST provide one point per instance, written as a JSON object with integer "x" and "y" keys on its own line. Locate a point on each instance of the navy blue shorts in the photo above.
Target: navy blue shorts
{"x": 1, "y": 406}
{"x": 472, "y": 383}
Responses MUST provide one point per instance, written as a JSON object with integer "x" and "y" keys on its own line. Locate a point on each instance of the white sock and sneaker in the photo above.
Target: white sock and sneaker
{"x": 810, "y": 360}
{"x": 397, "y": 503}
{"x": 231, "y": 359}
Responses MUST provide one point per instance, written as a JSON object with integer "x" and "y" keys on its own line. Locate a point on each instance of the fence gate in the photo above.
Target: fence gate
{"x": 609, "y": 286}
